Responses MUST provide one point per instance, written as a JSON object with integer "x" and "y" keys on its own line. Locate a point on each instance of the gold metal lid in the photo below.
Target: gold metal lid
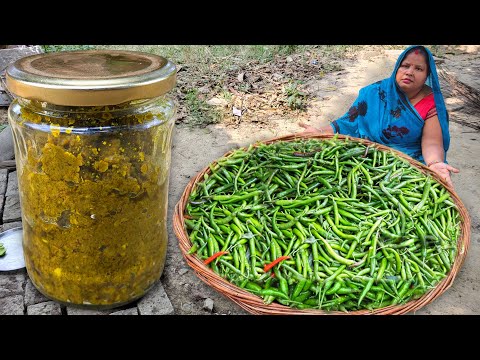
{"x": 91, "y": 77}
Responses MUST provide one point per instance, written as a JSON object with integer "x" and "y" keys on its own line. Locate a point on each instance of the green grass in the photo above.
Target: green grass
{"x": 55, "y": 48}
{"x": 295, "y": 98}
{"x": 214, "y": 64}
{"x": 200, "y": 113}
{"x": 226, "y": 57}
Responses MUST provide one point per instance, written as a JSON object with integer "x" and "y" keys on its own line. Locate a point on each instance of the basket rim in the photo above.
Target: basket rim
{"x": 255, "y": 305}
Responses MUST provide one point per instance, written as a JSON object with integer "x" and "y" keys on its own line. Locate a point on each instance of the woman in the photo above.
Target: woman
{"x": 405, "y": 111}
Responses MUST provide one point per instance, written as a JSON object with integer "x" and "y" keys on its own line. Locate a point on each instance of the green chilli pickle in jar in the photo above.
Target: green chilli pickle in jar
{"x": 92, "y": 133}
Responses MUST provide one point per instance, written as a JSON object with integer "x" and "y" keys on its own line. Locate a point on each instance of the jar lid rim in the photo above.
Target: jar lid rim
{"x": 91, "y": 77}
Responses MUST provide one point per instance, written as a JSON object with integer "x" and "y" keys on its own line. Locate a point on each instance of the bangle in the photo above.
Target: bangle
{"x": 434, "y": 162}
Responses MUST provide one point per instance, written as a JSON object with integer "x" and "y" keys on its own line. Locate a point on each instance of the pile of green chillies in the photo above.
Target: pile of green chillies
{"x": 327, "y": 224}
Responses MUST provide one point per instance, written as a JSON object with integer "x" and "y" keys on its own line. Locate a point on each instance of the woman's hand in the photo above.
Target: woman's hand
{"x": 443, "y": 170}
{"x": 309, "y": 129}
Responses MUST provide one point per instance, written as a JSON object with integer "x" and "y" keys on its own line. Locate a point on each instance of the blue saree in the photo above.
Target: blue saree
{"x": 383, "y": 114}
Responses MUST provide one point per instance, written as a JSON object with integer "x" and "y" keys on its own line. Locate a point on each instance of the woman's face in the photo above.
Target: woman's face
{"x": 412, "y": 72}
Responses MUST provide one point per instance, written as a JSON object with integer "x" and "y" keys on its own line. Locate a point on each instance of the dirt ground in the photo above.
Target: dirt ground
{"x": 195, "y": 148}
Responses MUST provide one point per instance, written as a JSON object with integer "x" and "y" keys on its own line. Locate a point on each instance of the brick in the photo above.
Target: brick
{"x": 12, "y": 305}
{"x": 45, "y": 308}
{"x": 12, "y": 184}
{"x": 156, "y": 302}
{"x": 11, "y": 285}
{"x": 11, "y": 210}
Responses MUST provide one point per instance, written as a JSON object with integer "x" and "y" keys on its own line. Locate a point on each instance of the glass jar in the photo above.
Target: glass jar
{"x": 93, "y": 133}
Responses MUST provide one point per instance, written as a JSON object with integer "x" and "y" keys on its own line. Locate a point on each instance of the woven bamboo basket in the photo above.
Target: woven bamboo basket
{"x": 255, "y": 305}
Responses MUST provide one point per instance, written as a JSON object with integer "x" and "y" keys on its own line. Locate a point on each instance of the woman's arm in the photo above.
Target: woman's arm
{"x": 348, "y": 123}
{"x": 433, "y": 151}
{"x": 327, "y": 129}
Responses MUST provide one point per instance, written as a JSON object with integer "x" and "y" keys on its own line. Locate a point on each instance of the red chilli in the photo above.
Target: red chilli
{"x": 275, "y": 262}
{"x": 214, "y": 256}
